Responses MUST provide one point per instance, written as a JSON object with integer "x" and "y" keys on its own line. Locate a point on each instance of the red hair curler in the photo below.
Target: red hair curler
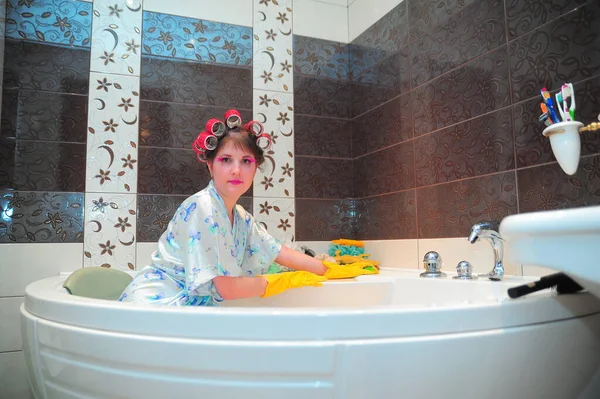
{"x": 254, "y": 127}
{"x": 263, "y": 141}
{"x": 233, "y": 118}
{"x": 205, "y": 141}
{"x": 215, "y": 127}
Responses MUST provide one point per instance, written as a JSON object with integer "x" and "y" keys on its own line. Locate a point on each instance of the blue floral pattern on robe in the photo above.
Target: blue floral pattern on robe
{"x": 199, "y": 244}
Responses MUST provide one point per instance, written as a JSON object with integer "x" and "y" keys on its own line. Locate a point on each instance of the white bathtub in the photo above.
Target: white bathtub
{"x": 394, "y": 335}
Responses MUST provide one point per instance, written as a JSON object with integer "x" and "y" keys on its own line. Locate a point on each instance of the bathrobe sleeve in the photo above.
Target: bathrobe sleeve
{"x": 207, "y": 252}
{"x": 261, "y": 248}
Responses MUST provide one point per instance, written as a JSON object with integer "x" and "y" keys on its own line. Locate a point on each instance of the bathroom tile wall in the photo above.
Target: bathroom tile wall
{"x": 46, "y": 64}
{"x": 445, "y": 108}
{"x": 323, "y": 140}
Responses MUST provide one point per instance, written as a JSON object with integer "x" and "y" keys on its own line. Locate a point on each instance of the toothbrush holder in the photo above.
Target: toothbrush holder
{"x": 566, "y": 144}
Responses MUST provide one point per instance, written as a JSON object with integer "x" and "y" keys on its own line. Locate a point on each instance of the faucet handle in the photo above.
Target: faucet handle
{"x": 432, "y": 262}
{"x": 464, "y": 271}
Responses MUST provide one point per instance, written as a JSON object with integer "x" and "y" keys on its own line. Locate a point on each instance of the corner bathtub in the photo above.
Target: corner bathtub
{"x": 393, "y": 335}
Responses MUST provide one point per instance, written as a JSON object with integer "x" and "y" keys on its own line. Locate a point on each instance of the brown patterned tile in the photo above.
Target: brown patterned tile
{"x": 323, "y": 178}
{"x": 49, "y": 68}
{"x": 387, "y": 217}
{"x": 321, "y": 57}
{"x": 170, "y": 171}
{"x": 40, "y": 217}
{"x": 384, "y": 81}
{"x": 383, "y": 126}
{"x": 324, "y": 220}
{"x": 195, "y": 83}
{"x": 324, "y": 137}
{"x": 523, "y": 16}
{"x": 562, "y": 51}
{"x": 427, "y": 16}
{"x": 38, "y": 115}
{"x": 322, "y": 96}
{"x": 154, "y": 214}
{"x": 547, "y": 187}
{"x": 474, "y": 89}
{"x": 246, "y": 203}
{"x": 532, "y": 147}
{"x": 385, "y": 171}
{"x": 449, "y": 210}
{"x": 176, "y": 125}
{"x": 42, "y": 166}
{"x": 477, "y": 147}
{"x": 464, "y": 34}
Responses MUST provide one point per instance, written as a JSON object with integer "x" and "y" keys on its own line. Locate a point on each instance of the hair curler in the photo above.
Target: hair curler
{"x": 263, "y": 141}
{"x": 254, "y": 127}
{"x": 233, "y": 118}
{"x": 215, "y": 127}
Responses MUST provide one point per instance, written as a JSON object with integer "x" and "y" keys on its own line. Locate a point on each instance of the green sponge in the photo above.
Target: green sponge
{"x": 97, "y": 282}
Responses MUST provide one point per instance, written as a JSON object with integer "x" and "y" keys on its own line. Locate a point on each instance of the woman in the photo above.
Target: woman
{"x": 214, "y": 250}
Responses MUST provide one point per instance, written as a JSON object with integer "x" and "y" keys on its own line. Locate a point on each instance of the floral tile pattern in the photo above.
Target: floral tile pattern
{"x": 323, "y": 178}
{"x": 277, "y": 215}
{"x": 323, "y": 96}
{"x": 38, "y": 115}
{"x": 272, "y": 45}
{"x": 478, "y": 87}
{"x": 117, "y": 37}
{"x": 276, "y": 111}
{"x": 173, "y": 125}
{"x": 326, "y": 137}
{"x": 558, "y": 52}
{"x": 110, "y": 225}
{"x": 523, "y": 16}
{"x": 325, "y": 220}
{"x": 112, "y": 133}
{"x": 196, "y": 83}
{"x": 42, "y": 166}
{"x": 37, "y": 66}
{"x": 449, "y": 210}
{"x": 194, "y": 39}
{"x": 320, "y": 57}
{"x": 547, "y": 187}
{"x": 171, "y": 171}
{"x": 479, "y": 146}
{"x": 387, "y": 217}
{"x": 40, "y": 217}
{"x": 154, "y": 214}
{"x": 50, "y": 21}
{"x": 388, "y": 124}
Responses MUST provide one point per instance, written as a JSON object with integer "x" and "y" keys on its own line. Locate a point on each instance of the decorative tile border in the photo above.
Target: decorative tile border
{"x": 110, "y": 225}
{"x": 112, "y": 133}
{"x": 276, "y": 111}
{"x": 41, "y": 217}
{"x": 53, "y": 21}
{"x": 277, "y": 215}
{"x": 117, "y": 36}
{"x": 272, "y": 46}
{"x": 194, "y": 39}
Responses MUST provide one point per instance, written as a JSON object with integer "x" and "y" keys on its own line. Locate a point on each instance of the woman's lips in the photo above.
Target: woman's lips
{"x": 235, "y": 182}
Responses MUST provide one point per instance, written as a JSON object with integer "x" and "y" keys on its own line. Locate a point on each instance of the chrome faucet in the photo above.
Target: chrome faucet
{"x": 489, "y": 231}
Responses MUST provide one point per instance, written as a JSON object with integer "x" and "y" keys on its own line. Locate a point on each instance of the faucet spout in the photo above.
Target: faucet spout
{"x": 489, "y": 232}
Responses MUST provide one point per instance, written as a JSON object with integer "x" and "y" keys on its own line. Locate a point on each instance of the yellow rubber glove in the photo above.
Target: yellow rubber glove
{"x": 344, "y": 259}
{"x": 335, "y": 271}
{"x": 279, "y": 282}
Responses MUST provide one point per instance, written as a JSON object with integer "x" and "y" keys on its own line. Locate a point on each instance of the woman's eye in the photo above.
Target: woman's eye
{"x": 225, "y": 159}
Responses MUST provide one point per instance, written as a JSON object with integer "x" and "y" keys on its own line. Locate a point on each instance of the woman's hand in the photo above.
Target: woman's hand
{"x": 298, "y": 261}
{"x": 335, "y": 271}
{"x": 279, "y": 282}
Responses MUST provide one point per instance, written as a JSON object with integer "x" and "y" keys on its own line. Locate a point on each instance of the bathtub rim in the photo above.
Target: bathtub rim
{"x": 45, "y": 300}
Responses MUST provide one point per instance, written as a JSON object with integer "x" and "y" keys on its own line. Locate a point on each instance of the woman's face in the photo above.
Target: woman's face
{"x": 233, "y": 170}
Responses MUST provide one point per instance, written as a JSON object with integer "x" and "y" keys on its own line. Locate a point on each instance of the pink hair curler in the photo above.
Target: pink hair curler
{"x": 205, "y": 141}
{"x": 263, "y": 141}
{"x": 254, "y": 127}
{"x": 233, "y": 118}
{"x": 215, "y": 127}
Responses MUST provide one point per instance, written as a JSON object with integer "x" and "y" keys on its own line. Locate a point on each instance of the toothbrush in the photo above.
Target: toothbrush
{"x": 559, "y": 101}
{"x": 550, "y": 104}
{"x": 568, "y": 92}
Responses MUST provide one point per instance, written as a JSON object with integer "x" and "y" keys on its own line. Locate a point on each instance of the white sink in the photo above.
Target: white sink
{"x": 564, "y": 240}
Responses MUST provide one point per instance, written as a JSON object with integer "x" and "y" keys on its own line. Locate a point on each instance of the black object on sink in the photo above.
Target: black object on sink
{"x": 563, "y": 283}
